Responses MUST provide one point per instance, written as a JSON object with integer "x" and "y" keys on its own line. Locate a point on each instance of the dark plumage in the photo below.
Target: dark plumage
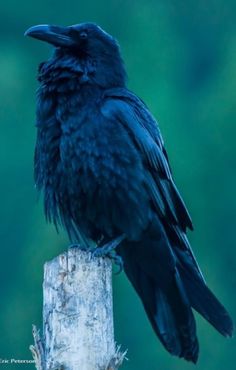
{"x": 102, "y": 166}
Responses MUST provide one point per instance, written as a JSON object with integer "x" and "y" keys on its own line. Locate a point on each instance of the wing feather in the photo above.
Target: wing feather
{"x": 130, "y": 111}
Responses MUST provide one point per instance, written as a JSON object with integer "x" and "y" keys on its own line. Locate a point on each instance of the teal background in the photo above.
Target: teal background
{"x": 181, "y": 59}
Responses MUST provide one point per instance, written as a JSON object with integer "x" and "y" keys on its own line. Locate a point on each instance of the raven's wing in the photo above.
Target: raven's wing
{"x": 132, "y": 113}
{"x": 142, "y": 267}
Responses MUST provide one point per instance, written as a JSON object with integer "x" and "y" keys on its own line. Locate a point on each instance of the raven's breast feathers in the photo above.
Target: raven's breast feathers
{"x": 82, "y": 158}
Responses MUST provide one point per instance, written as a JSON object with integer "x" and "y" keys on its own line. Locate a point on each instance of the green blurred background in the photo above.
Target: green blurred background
{"x": 181, "y": 59}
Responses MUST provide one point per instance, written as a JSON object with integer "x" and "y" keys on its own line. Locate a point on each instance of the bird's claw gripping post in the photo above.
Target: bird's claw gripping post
{"x": 108, "y": 250}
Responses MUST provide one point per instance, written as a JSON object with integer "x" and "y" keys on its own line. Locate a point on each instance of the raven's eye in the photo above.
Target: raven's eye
{"x": 83, "y": 35}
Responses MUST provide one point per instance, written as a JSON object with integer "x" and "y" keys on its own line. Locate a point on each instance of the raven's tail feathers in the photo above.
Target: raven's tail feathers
{"x": 168, "y": 311}
{"x": 204, "y": 301}
{"x": 169, "y": 306}
{"x": 174, "y": 320}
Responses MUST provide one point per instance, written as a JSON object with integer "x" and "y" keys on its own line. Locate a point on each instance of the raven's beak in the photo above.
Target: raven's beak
{"x": 55, "y": 35}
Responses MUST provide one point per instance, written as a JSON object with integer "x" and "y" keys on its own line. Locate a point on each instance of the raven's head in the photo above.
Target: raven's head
{"x": 85, "y": 49}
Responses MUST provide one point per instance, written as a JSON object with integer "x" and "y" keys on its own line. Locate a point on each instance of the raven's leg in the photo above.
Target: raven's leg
{"x": 109, "y": 247}
{"x": 108, "y": 250}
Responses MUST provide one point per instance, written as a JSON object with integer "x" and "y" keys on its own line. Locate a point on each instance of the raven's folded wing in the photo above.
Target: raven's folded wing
{"x": 132, "y": 113}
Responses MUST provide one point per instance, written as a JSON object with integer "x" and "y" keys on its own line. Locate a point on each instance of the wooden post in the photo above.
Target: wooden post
{"x": 78, "y": 328}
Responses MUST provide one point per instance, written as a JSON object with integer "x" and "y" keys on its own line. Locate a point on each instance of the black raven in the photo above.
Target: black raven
{"x": 101, "y": 163}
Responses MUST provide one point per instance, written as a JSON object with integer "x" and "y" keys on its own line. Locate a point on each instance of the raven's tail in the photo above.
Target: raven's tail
{"x": 168, "y": 306}
{"x": 204, "y": 301}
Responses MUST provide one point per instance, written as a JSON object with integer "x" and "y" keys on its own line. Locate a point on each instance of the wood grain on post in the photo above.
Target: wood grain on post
{"x": 78, "y": 330}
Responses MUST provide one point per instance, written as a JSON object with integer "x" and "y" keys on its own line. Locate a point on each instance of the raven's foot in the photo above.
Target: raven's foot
{"x": 108, "y": 250}
{"x": 113, "y": 256}
{"x": 109, "y": 247}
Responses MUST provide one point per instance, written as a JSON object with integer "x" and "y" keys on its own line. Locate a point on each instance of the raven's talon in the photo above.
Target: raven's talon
{"x": 100, "y": 252}
{"x": 97, "y": 252}
{"x": 119, "y": 262}
{"x": 108, "y": 248}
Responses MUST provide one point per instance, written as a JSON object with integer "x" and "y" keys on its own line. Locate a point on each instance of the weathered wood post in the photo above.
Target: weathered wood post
{"x": 78, "y": 331}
